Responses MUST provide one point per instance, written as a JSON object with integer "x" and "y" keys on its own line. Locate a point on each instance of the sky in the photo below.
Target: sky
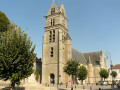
{"x": 93, "y": 25}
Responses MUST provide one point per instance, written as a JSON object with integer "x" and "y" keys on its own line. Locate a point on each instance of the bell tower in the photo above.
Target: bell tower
{"x": 54, "y": 45}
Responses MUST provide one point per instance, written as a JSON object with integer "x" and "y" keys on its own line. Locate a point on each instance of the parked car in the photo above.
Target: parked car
{"x": 99, "y": 83}
{"x": 102, "y": 83}
{"x": 109, "y": 82}
{"x": 114, "y": 82}
{"x": 117, "y": 82}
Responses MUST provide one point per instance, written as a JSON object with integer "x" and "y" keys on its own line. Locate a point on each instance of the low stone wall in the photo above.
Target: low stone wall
{"x": 4, "y": 82}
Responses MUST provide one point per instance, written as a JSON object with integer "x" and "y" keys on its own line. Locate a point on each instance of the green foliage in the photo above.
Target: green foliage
{"x": 36, "y": 75}
{"x": 113, "y": 74}
{"x": 4, "y": 22}
{"x": 104, "y": 73}
{"x": 16, "y": 56}
{"x": 82, "y": 72}
{"x": 71, "y": 67}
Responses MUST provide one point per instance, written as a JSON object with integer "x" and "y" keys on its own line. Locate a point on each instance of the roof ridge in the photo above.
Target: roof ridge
{"x": 93, "y": 52}
{"x": 76, "y": 50}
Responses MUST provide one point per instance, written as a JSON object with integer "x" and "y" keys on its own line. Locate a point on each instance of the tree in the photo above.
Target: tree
{"x": 82, "y": 73}
{"x": 113, "y": 74}
{"x": 104, "y": 73}
{"x": 71, "y": 68}
{"x": 4, "y": 22}
{"x": 16, "y": 56}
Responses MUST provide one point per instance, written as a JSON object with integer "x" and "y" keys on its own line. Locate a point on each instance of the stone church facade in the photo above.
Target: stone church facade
{"x": 57, "y": 50}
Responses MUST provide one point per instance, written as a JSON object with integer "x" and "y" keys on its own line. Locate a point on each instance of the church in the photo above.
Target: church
{"x": 57, "y": 49}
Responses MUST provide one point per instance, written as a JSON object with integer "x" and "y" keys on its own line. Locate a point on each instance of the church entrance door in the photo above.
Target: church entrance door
{"x": 52, "y": 78}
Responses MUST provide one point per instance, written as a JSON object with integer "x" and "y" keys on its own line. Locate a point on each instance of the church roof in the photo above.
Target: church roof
{"x": 38, "y": 60}
{"x": 85, "y": 58}
{"x": 78, "y": 56}
{"x": 94, "y": 56}
{"x": 117, "y": 66}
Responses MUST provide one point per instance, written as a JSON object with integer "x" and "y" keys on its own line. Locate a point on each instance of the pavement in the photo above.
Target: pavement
{"x": 63, "y": 87}
{"x": 85, "y": 87}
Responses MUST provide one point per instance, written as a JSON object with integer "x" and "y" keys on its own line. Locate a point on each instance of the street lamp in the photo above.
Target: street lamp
{"x": 108, "y": 54}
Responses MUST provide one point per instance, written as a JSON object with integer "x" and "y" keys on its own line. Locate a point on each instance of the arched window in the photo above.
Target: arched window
{"x": 53, "y": 35}
{"x": 53, "y": 21}
{"x": 50, "y": 36}
{"x": 52, "y": 11}
{"x": 51, "y": 52}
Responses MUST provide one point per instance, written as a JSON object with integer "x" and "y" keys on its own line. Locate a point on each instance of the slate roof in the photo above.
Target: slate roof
{"x": 38, "y": 60}
{"x": 94, "y": 57}
{"x": 85, "y": 58}
{"x": 117, "y": 66}
{"x": 78, "y": 56}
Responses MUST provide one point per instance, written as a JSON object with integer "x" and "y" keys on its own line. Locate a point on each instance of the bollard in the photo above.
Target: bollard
{"x": 99, "y": 88}
{"x": 75, "y": 86}
{"x": 48, "y": 85}
{"x": 83, "y": 87}
{"x": 90, "y": 87}
{"x": 66, "y": 85}
{"x": 72, "y": 88}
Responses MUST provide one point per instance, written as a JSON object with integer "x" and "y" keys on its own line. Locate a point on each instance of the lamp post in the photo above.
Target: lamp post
{"x": 107, "y": 56}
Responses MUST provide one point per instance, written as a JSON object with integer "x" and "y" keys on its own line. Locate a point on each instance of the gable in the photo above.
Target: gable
{"x": 58, "y": 9}
{"x": 94, "y": 57}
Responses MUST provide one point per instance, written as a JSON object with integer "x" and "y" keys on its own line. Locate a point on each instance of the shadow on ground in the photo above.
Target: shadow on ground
{"x": 16, "y": 88}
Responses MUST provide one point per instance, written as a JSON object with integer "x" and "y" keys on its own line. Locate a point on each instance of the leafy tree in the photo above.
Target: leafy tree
{"x": 4, "y": 22}
{"x": 113, "y": 74}
{"x": 104, "y": 73}
{"x": 71, "y": 69}
{"x": 82, "y": 73}
{"x": 16, "y": 56}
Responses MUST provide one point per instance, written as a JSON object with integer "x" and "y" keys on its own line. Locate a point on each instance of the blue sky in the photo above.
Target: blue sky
{"x": 93, "y": 24}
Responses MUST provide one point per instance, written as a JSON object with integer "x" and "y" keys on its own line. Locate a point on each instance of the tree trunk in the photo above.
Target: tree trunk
{"x": 72, "y": 83}
{"x": 82, "y": 82}
{"x": 12, "y": 86}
